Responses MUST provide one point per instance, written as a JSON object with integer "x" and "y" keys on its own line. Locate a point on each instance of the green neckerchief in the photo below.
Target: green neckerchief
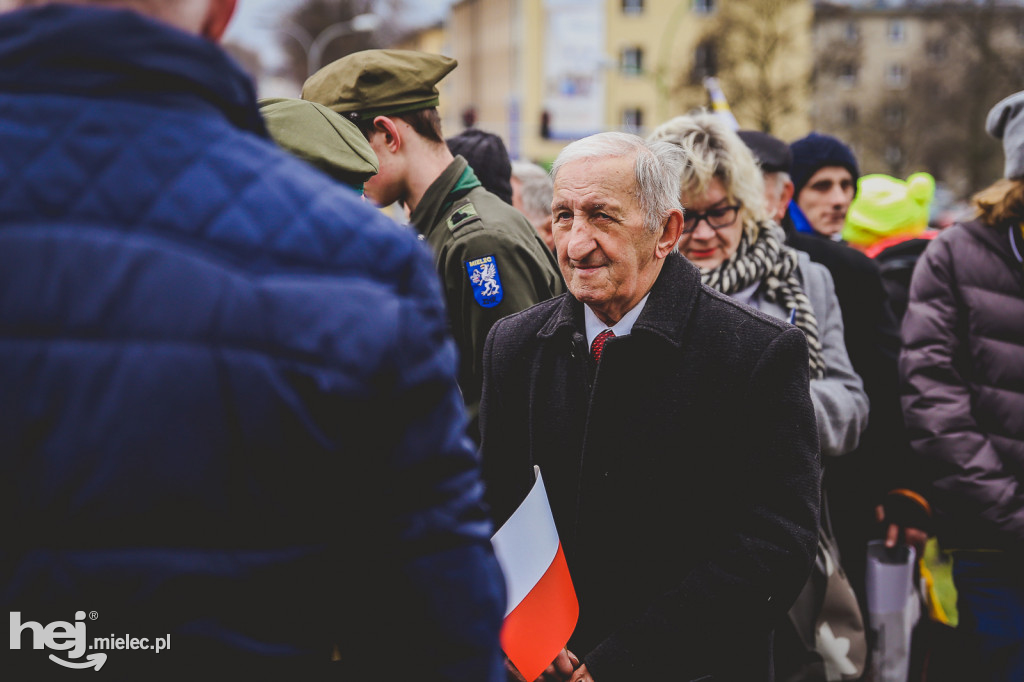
{"x": 463, "y": 185}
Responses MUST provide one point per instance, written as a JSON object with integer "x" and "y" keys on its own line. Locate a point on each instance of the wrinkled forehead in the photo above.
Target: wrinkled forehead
{"x": 608, "y": 179}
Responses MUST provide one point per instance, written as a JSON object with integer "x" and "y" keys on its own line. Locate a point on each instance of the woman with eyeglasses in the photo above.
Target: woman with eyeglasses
{"x": 740, "y": 252}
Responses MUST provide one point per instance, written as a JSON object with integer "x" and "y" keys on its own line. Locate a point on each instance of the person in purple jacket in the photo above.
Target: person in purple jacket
{"x": 229, "y": 418}
{"x": 962, "y": 369}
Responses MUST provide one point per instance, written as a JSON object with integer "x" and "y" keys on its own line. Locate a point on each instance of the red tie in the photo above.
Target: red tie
{"x": 597, "y": 347}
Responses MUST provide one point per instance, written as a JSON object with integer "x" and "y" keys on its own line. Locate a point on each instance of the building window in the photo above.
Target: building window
{"x": 893, "y": 155}
{"x": 852, "y": 32}
{"x": 632, "y": 61}
{"x": 633, "y": 120}
{"x": 894, "y": 114}
{"x": 937, "y": 50}
{"x": 632, "y": 6}
{"x": 897, "y": 31}
{"x": 848, "y": 73}
{"x": 705, "y": 62}
{"x": 703, "y": 6}
{"x": 895, "y": 75}
{"x": 849, "y": 115}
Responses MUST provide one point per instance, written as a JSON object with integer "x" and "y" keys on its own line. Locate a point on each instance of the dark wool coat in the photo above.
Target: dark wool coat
{"x": 963, "y": 371}
{"x": 683, "y": 473}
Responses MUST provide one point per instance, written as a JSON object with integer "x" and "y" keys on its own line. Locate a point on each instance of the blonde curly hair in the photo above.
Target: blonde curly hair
{"x": 712, "y": 151}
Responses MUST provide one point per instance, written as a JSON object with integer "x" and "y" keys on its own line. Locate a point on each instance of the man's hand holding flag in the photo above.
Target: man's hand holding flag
{"x": 542, "y": 607}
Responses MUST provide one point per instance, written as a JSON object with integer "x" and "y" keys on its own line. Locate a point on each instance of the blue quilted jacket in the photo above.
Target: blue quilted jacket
{"x": 228, "y": 412}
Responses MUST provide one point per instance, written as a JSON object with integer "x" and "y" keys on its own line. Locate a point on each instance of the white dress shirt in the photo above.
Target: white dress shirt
{"x": 623, "y": 327}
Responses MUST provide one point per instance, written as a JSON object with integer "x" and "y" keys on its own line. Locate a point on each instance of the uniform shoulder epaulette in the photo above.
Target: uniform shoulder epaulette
{"x": 462, "y": 213}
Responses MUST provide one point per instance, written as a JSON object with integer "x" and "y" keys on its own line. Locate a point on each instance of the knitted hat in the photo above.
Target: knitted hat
{"x": 1006, "y": 122}
{"x": 488, "y": 158}
{"x": 888, "y": 207}
{"x": 815, "y": 152}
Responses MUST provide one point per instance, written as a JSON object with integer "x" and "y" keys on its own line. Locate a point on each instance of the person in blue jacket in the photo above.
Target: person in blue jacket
{"x": 229, "y": 419}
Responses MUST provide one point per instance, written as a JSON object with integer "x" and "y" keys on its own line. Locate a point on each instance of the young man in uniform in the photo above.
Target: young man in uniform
{"x": 490, "y": 259}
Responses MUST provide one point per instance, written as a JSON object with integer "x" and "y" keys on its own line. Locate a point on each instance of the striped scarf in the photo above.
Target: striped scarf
{"x": 774, "y": 265}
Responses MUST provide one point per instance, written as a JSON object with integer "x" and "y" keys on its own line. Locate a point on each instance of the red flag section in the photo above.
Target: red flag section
{"x": 542, "y": 606}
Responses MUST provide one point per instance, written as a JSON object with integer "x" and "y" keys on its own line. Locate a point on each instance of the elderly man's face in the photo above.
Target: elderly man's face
{"x": 609, "y": 260}
{"x": 826, "y": 198}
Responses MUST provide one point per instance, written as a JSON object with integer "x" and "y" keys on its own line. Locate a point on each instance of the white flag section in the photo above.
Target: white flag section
{"x": 527, "y": 544}
{"x": 719, "y": 104}
{"x": 542, "y": 609}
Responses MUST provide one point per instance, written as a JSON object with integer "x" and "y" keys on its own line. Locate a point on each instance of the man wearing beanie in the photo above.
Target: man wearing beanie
{"x": 490, "y": 259}
{"x": 824, "y": 176}
{"x": 963, "y": 398}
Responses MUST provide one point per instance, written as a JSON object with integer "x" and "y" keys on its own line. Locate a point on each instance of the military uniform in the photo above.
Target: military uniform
{"x": 490, "y": 260}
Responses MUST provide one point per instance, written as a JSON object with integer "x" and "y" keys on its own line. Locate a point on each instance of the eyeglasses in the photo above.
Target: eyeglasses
{"x": 716, "y": 218}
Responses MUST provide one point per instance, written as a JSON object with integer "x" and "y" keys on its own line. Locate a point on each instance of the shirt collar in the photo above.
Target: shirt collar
{"x": 621, "y": 328}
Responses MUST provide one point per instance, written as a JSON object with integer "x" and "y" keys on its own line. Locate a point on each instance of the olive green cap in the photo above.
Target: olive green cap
{"x": 371, "y": 83}
{"x": 317, "y": 135}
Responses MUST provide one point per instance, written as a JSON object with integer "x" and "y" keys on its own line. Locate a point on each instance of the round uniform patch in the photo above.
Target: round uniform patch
{"x": 483, "y": 275}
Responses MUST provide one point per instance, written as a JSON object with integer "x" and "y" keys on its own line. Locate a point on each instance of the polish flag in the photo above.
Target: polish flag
{"x": 542, "y": 608}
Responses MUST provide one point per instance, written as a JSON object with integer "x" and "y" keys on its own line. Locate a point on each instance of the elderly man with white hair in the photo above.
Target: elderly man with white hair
{"x": 673, "y": 427}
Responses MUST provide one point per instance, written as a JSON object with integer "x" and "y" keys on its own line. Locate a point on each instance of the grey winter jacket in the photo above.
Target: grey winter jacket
{"x": 840, "y": 403}
{"x": 962, "y": 369}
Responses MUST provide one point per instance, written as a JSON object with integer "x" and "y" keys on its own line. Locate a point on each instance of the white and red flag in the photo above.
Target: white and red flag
{"x": 542, "y": 608}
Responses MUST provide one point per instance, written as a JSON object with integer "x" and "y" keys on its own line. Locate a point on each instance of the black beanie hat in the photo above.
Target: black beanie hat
{"x": 817, "y": 151}
{"x": 488, "y": 158}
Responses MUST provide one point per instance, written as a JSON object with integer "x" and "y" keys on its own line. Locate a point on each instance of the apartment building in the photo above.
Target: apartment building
{"x": 541, "y": 73}
{"x": 908, "y": 84}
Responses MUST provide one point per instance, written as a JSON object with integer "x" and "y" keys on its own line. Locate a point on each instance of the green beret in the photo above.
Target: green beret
{"x": 373, "y": 83}
{"x": 321, "y": 137}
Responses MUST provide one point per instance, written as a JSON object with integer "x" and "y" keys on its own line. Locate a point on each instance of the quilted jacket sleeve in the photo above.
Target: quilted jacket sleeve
{"x": 968, "y": 476}
{"x": 448, "y": 583}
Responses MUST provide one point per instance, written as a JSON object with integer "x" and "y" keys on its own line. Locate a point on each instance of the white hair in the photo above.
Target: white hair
{"x": 657, "y": 168}
{"x": 778, "y": 182}
{"x": 536, "y": 189}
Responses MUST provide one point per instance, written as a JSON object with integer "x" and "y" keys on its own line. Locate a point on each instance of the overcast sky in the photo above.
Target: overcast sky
{"x": 253, "y": 23}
